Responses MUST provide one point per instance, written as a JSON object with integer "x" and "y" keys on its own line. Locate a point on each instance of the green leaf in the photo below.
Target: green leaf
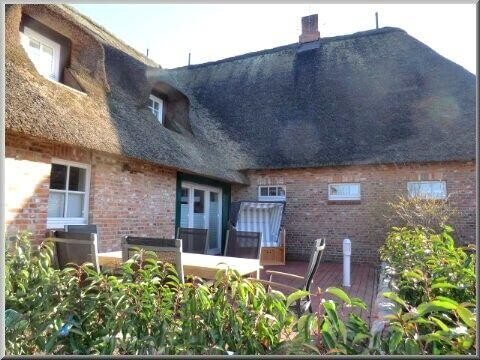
{"x": 331, "y": 311}
{"x": 342, "y": 295}
{"x": 12, "y": 317}
{"x": 360, "y": 337}
{"x": 435, "y": 305}
{"x": 439, "y": 322}
{"x": 394, "y": 341}
{"x": 443, "y": 285}
{"x": 411, "y": 347}
{"x": 466, "y": 315}
{"x": 297, "y": 295}
{"x": 50, "y": 343}
{"x": 396, "y": 298}
{"x": 359, "y": 303}
{"x": 416, "y": 274}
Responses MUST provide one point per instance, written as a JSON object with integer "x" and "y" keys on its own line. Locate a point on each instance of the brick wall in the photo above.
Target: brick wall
{"x": 309, "y": 214}
{"x": 139, "y": 200}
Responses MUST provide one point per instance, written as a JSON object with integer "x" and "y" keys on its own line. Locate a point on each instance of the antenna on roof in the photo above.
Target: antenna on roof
{"x": 147, "y": 52}
{"x": 189, "y": 58}
{"x": 376, "y": 19}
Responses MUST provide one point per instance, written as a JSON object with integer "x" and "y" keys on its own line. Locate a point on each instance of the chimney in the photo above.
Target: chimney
{"x": 309, "y": 29}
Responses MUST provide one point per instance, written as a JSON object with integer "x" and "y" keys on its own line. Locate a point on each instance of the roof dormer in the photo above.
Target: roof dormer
{"x": 169, "y": 106}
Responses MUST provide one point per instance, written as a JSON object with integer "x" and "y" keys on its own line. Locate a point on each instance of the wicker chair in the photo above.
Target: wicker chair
{"x": 244, "y": 244}
{"x": 74, "y": 247}
{"x": 193, "y": 240}
{"x": 168, "y": 250}
{"x": 305, "y": 304}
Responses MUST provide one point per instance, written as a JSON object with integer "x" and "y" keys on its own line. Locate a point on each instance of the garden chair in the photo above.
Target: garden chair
{"x": 305, "y": 304}
{"x": 193, "y": 240}
{"x": 168, "y": 250}
{"x": 243, "y": 244}
{"x": 74, "y": 247}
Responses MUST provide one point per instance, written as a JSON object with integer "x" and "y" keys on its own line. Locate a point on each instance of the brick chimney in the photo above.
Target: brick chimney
{"x": 309, "y": 29}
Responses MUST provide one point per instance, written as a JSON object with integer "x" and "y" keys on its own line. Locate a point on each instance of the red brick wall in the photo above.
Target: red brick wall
{"x": 309, "y": 215}
{"x": 140, "y": 201}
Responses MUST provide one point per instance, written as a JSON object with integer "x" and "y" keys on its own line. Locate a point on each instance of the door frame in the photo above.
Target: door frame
{"x": 197, "y": 179}
{"x": 192, "y": 186}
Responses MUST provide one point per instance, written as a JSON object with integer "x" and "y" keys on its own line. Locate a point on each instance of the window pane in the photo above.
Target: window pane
{"x": 34, "y": 44}
{"x": 213, "y": 197}
{"x": 184, "y": 196}
{"x": 264, "y": 191}
{"x": 75, "y": 205}
{"x": 58, "y": 177}
{"x": 77, "y": 179}
{"x": 47, "y": 50}
{"x": 199, "y": 201}
{"x": 281, "y": 191}
{"x": 56, "y": 204}
{"x": 428, "y": 190}
{"x": 272, "y": 191}
{"x": 344, "y": 191}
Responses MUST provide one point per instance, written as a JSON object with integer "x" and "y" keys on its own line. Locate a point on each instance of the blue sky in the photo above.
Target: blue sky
{"x": 216, "y": 31}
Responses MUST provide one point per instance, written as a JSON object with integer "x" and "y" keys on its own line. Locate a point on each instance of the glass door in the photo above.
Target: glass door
{"x": 201, "y": 208}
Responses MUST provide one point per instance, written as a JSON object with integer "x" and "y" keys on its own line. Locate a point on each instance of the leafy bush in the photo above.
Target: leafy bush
{"x": 142, "y": 309}
{"x": 434, "y": 288}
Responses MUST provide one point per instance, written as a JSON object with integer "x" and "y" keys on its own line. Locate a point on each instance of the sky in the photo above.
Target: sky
{"x": 216, "y": 31}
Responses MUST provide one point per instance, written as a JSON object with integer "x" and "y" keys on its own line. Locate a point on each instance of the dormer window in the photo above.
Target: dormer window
{"x": 156, "y": 105}
{"x": 43, "y": 52}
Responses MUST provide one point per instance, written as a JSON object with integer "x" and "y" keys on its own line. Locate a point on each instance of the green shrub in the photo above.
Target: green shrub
{"x": 142, "y": 309}
{"x": 434, "y": 289}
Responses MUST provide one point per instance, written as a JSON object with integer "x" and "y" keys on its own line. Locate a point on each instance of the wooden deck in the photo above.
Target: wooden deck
{"x": 363, "y": 280}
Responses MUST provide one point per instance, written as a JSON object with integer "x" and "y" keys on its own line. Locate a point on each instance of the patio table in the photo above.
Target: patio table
{"x": 204, "y": 266}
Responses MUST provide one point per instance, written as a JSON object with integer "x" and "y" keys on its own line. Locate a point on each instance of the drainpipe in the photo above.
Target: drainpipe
{"x": 347, "y": 251}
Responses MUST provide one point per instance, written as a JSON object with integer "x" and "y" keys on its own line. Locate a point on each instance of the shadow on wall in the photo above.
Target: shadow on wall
{"x": 26, "y": 198}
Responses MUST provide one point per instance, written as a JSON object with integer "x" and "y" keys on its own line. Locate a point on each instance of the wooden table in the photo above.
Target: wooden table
{"x": 110, "y": 259}
{"x": 204, "y": 266}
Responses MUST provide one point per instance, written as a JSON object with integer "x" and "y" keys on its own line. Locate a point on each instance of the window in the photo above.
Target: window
{"x": 344, "y": 191}
{"x": 271, "y": 193}
{"x": 427, "y": 189}
{"x": 43, "y": 52}
{"x": 68, "y": 195}
{"x": 156, "y": 105}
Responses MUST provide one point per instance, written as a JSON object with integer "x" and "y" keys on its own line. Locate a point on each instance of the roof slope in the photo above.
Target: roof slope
{"x": 379, "y": 96}
{"x": 373, "y": 97}
{"x": 113, "y": 119}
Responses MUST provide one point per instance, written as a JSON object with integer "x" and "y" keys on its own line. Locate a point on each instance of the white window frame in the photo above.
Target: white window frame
{"x": 60, "y": 222}
{"x": 428, "y": 195}
{"x": 270, "y": 197}
{"x": 28, "y": 34}
{"x": 333, "y": 197}
{"x": 161, "y": 103}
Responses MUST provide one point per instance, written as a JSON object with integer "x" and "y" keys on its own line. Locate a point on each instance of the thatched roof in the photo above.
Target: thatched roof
{"x": 373, "y": 97}
{"x": 378, "y": 96}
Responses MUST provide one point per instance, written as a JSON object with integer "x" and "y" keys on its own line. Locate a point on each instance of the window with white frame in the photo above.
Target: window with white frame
{"x": 68, "y": 195}
{"x": 272, "y": 193}
{"x": 43, "y": 52}
{"x": 156, "y": 105}
{"x": 344, "y": 191}
{"x": 427, "y": 189}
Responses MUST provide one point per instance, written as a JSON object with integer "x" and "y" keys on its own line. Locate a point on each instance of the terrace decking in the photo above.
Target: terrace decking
{"x": 363, "y": 280}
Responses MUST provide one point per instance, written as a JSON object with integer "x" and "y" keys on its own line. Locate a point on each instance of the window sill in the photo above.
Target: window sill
{"x": 59, "y": 223}
{"x": 75, "y": 91}
{"x": 344, "y": 202}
